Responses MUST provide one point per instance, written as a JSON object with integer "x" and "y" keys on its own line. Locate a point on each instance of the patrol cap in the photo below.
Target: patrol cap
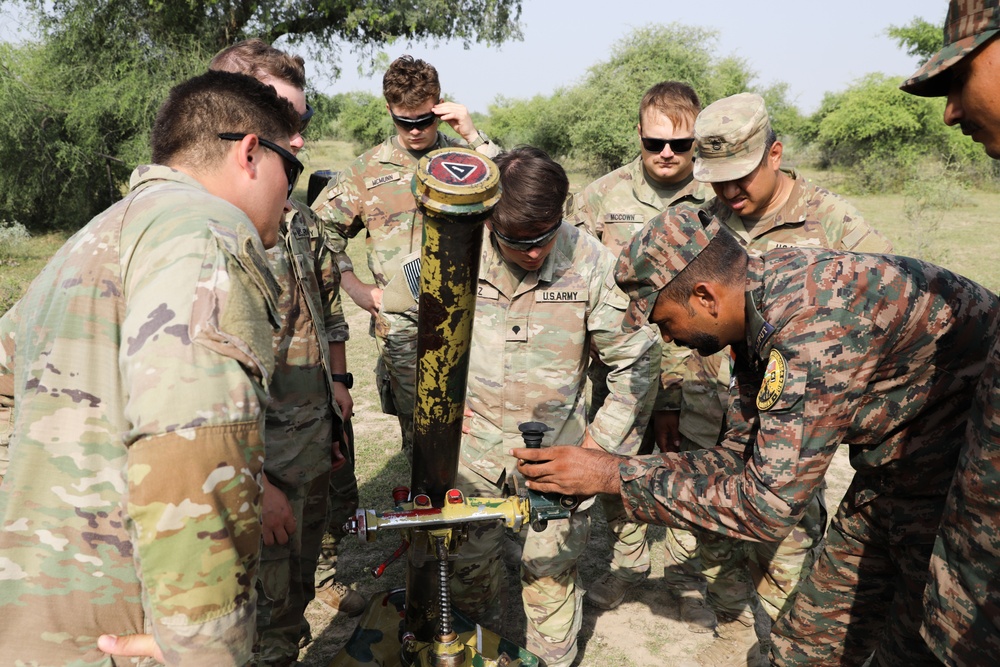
{"x": 969, "y": 25}
{"x": 654, "y": 257}
{"x": 730, "y": 134}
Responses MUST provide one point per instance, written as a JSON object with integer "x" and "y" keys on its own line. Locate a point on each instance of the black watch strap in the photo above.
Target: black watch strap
{"x": 346, "y": 378}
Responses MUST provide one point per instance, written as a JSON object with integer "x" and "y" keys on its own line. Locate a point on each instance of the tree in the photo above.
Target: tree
{"x": 920, "y": 38}
{"x": 322, "y": 24}
{"x": 77, "y": 103}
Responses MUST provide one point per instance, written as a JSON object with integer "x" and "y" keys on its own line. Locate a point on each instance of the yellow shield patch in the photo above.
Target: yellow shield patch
{"x": 774, "y": 381}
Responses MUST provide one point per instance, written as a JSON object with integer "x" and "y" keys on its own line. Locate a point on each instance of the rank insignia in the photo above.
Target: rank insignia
{"x": 774, "y": 381}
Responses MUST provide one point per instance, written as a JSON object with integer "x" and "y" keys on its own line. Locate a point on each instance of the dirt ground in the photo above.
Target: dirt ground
{"x": 644, "y": 630}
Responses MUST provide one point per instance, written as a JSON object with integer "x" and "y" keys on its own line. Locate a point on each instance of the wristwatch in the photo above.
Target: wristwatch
{"x": 345, "y": 378}
{"x": 478, "y": 141}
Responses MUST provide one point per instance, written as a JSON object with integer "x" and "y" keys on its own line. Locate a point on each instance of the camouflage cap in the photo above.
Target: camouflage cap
{"x": 969, "y": 25}
{"x": 730, "y": 134}
{"x": 654, "y": 257}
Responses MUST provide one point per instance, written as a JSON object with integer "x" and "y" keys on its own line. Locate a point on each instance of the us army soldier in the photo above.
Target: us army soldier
{"x": 373, "y": 195}
{"x": 546, "y": 297}
{"x": 303, "y": 426}
{"x": 614, "y": 208}
{"x": 139, "y": 358}
{"x": 877, "y": 351}
{"x": 960, "y": 620}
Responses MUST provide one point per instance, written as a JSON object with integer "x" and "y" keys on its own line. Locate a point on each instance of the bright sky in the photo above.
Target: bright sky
{"x": 814, "y": 47}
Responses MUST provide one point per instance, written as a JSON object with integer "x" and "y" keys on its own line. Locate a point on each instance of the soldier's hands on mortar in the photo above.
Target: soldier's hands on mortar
{"x": 578, "y": 471}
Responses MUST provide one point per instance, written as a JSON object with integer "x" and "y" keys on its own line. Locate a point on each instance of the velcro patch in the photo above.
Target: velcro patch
{"x": 560, "y": 296}
{"x": 487, "y": 292}
{"x": 383, "y": 179}
{"x": 624, "y": 217}
{"x": 774, "y": 380}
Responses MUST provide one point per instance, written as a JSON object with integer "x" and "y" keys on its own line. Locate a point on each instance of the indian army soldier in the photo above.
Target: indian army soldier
{"x": 303, "y": 426}
{"x": 373, "y": 195}
{"x": 546, "y": 297}
{"x": 614, "y": 208}
{"x": 130, "y": 515}
{"x": 961, "y": 624}
{"x": 765, "y": 207}
{"x": 879, "y": 352}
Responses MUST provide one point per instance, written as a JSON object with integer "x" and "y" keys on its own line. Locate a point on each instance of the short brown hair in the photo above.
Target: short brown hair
{"x": 409, "y": 83}
{"x": 195, "y": 112}
{"x": 675, "y": 100}
{"x": 257, "y": 58}
{"x": 534, "y": 189}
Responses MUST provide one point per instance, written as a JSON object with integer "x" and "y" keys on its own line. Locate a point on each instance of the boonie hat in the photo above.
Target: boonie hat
{"x": 667, "y": 244}
{"x": 969, "y": 25}
{"x": 730, "y": 134}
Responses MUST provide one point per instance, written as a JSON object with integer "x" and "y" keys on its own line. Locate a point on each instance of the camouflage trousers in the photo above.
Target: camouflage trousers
{"x": 864, "y": 592}
{"x": 550, "y": 586}
{"x": 693, "y": 559}
{"x": 286, "y": 578}
{"x": 961, "y": 623}
{"x": 396, "y": 380}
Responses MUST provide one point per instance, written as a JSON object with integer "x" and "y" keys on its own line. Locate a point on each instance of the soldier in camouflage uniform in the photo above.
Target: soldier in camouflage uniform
{"x": 546, "y": 297}
{"x": 877, "y": 351}
{"x": 303, "y": 426}
{"x": 373, "y": 195}
{"x": 766, "y": 208}
{"x": 961, "y": 623}
{"x": 614, "y": 208}
{"x": 139, "y": 358}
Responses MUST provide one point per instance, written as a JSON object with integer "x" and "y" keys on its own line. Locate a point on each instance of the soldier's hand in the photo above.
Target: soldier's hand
{"x": 667, "y": 430}
{"x": 458, "y": 117}
{"x": 366, "y": 296}
{"x": 569, "y": 470}
{"x": 131, "y": 646}
{"x": 276, "y": 515}
{"x": 342, "y": 395}
{"x": 337, "y": 457}
{"x": 468, "y": 414}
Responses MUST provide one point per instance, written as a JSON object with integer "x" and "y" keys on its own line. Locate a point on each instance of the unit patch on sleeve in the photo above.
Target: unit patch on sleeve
{"x": 774, "y": 381}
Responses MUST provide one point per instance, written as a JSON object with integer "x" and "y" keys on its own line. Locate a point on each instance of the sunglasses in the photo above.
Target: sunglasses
{"x": 293, "y": 168}
{"x": 418, "y": 123}
{"x": 305, "y": 118}
{"x": 676, "y": 145}
{"x": 527, "y": 244}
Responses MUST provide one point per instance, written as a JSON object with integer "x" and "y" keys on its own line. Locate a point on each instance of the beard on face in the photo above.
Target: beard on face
{"x": 704, "y": 344}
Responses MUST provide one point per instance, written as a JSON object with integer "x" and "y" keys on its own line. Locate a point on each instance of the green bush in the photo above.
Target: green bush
{"x": 362, "y": 118}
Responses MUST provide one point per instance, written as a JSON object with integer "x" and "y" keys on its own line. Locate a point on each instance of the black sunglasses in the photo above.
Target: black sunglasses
{"x": 293, "y": 168}
{"x": 305, "y": 118}
{"x": 676, "y": 145}
{"x": 418, "y": 123}
{"x": 527, "y": 244}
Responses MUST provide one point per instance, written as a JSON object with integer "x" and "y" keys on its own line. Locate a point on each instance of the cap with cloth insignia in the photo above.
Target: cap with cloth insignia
{"x": 730, "y": 134}
{"x": 654, "y": 257}
{"x": 968, "y": 25}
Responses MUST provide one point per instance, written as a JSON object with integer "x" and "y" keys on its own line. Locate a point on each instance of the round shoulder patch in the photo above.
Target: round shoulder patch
{"x": 774, "y": 381}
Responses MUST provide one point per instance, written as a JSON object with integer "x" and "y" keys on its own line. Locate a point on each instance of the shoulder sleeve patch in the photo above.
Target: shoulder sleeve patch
{"x": 774, "y": 380}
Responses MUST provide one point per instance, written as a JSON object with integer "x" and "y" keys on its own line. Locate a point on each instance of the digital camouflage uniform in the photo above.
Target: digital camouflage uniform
{"x": 961, "y": 621}
{"x": 614, "y": 208}
{"x": 373, "y": 195}
{"x": 812, "y": 217}
{"x": 301, "y": 424}
{"x": 530, "y": 349}
{"x": 131, "y": 501}
{"x": 878, "y": 352}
